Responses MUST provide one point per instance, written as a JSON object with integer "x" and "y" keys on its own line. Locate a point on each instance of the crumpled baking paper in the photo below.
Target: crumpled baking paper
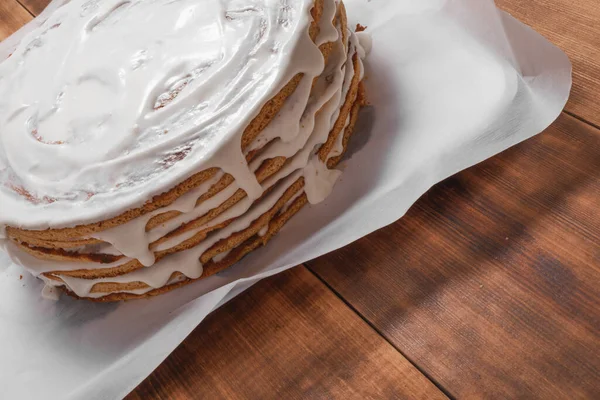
{"x": 450, "y": 82}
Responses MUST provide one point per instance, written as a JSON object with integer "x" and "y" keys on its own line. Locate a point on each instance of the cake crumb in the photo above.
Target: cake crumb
{"x": 360, "y": 28}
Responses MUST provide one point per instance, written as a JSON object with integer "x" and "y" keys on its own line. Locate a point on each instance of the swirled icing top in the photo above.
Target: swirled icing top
{"x": 111, "y": 102}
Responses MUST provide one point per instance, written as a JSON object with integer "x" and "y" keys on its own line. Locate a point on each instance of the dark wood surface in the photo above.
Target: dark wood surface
{"x": 35, "y": 7}
{"x": 488, "y": 288}
{"x": 490, "y": 283}
{"x": 12, "y": 17}
{"x": 289, "y": 337}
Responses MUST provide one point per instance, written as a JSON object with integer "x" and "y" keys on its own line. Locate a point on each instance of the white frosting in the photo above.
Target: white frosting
{"x": 38, "y": 266}
{"x": 292, "y": 200}
{"x": 319, "y": 180}
{"x": 255, "y": 50}
{"x": 51, "y": 293}
{"x": 221, "y": 257}
{"x": 263, "y": 231}
{"x": 366, "y": 43}
{"x": 100, "y": 136}
{"x": 338, "y": 145}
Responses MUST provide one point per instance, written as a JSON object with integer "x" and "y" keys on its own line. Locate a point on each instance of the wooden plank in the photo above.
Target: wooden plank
{"x": 35, "y": 6}
{"x": 288, "y": 337}
{"x": 12, "y": 17}
{"x": 491, "y": 283}
{"x": 573, "y": 26}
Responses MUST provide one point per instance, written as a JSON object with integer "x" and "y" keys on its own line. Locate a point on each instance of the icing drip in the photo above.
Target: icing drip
{"x": 286, "y": 125}
{"x": 338, "y": 146}
{"x": 319, "y": 180}
{"x": 263, "y": 231}
{"x": 131, "y": 238}
{"x": 292, "y": 200}
{"x": 221, "y": 257}
{"x": 38, "y": 266}
{"x": 366, "y": 43}
{"x": 50, "y": 293}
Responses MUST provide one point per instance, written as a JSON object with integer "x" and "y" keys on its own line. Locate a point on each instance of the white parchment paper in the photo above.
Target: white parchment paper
{"x": 451, "y": 83}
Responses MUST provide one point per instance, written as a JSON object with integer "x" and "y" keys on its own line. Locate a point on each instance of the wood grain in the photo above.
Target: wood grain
{"x": 35, "y": 6}
{"x": 575, "y": 27}
{"x": 491, "y": 283}
{"x": 288, "y": 337}
{"x": 12, "y": 17}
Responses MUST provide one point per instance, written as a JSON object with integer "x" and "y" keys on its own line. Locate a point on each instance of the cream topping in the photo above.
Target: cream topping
{"x": 221, "y": 257}
{"x": 338, "y": 146}
{"x": 141, "y": 93}
{"x": 50, "y": 292}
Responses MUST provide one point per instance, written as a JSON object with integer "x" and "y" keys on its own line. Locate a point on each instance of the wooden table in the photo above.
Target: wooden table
{"x": 488, "y": 288}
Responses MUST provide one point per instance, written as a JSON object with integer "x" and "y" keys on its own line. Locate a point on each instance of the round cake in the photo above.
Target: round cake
{"x": 145, "y": 144}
